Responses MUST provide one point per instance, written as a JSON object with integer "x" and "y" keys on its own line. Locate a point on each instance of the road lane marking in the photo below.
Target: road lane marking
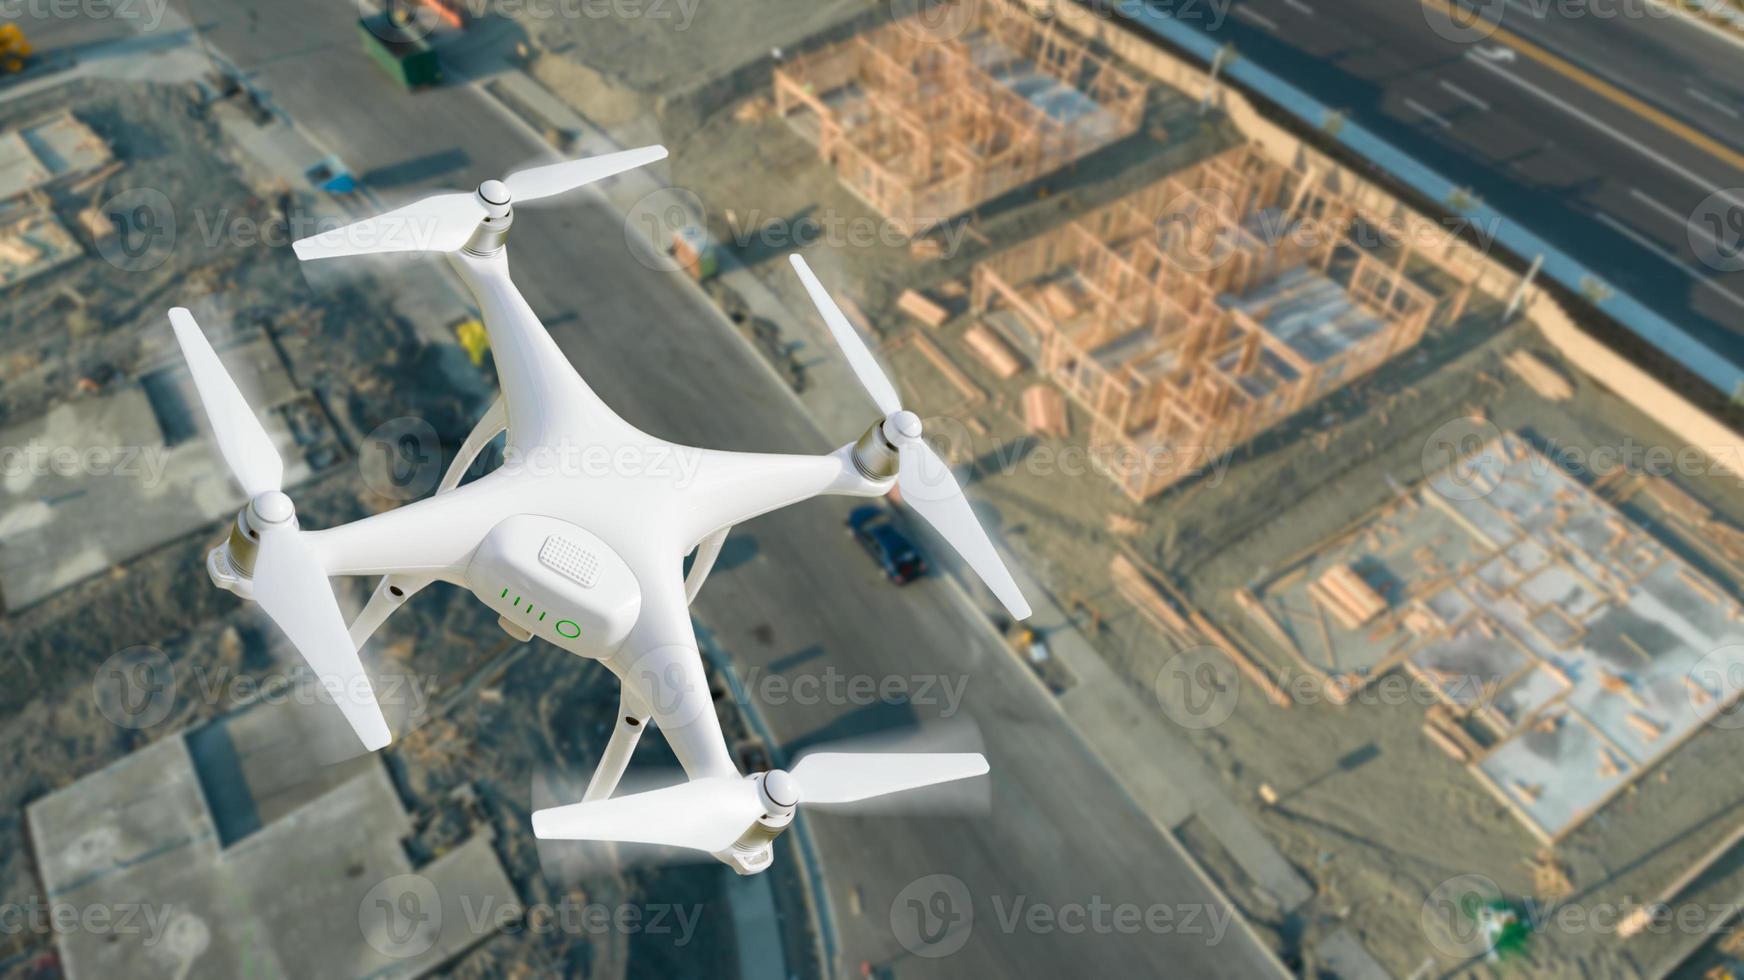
{"x": 1713, "y": 103}
{"x": 1638, "y": 238}
{"x": 1669, "y": 256}
{"x": 1598, "y": 86}
{"x": 1607, "y": 129}
{"x": 1427, "y": 113}
{"x": 1685, "y": 220}
{"x": 1299, "y": 7}
{"x": 1463, "y": 94}
{"x": 1256, "y": 17}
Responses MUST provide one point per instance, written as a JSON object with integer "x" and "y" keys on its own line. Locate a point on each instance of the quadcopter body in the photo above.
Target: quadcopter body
{"x": 578, "y": 539}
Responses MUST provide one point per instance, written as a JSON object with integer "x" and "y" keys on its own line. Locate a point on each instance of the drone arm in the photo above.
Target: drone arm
{"x": 539, "y": 385}
{"x": 393, "y": 590}
{"x": 660, "y": 667}
{"x": 433, "y": 538}
{"x": 735, "y": 487}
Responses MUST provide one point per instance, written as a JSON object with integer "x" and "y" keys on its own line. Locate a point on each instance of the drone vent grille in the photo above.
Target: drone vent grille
{"x": 570, "y": 560}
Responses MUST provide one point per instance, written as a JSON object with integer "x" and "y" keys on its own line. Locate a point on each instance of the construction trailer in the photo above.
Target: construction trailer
{"x": 1197, "y": 312}
{"x": 924, "y": 125}
{"x": 1566, "y": 650}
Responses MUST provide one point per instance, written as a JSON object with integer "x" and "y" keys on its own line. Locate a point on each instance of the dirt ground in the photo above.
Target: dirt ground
{"x": 673, "y": 46}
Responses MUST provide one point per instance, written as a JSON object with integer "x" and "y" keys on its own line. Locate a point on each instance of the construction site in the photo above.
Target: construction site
{"x": 1102, "y": 257}
{"x": 1571, "y": 651}
{"x": 1252, "y": 345}
{"x": 1194, "y": 314}
{"x": 924, "y": 125}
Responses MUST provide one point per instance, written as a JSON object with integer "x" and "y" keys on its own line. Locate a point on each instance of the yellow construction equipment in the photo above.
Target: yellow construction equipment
{"x": 14, "y": 49}
{"x": 474, "y": 339}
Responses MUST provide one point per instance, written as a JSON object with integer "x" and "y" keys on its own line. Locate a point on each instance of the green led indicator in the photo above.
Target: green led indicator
{"x": 541, "y": 617}
{"x": 505, "y": 594}
{"x": 568, "y": 628}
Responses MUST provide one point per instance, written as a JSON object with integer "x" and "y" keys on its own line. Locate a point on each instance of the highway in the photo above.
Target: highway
{"x": 1056, "y": 872}
{"x": 1619, "y": 139}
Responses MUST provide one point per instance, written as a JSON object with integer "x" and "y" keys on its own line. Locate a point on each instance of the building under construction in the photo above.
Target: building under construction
{"x": 1567, "y": 652}
{"x": 1191, "y": 315}
{"x": 924, "y": 124}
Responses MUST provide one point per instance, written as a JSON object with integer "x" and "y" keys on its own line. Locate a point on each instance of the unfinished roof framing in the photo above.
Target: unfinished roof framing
{"x": 1195, "y": 313}
{"x": 1567, "y": 652}
{"x": 923, "y": 126}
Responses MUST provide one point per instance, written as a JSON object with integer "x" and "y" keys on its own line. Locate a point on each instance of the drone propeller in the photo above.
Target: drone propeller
{"x": 709, "y": 814}
{"x": 925, "y": 481}
{"x": 445, "y": 223}
{"x": 289, "y": 582}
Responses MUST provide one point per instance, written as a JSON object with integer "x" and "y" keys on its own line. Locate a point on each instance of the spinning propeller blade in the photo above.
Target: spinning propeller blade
{"x": 926, "y": 482}
{"x": 445, "y": 222}
{"x": 710, "y": 814}
{"x": 241, "y": 441}
{"x": 436, "y": 224}
{"x": 560, "y": 178}
{"x": 704, "y": 814}
{"x": 289, "y": 583}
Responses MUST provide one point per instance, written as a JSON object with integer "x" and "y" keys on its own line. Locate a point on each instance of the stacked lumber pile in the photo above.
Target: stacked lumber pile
{"x": 1540, "y": 375}
{"x": 1044, "y": 411}
{"x": 1350, "y": 600}
{"x": 1136, "y": 587}
{"x": 921, "y": 308}
{"x": 992, "y": 350}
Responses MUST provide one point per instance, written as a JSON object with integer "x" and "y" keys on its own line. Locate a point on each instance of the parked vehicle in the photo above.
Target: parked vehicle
{"x": 897, "y": 556}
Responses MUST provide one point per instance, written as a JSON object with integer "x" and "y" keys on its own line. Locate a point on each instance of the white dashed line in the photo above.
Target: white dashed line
{"x": 1685, "y": 220}
{"x": 1669, "y": 256}
{"x": 1427, "y": 113}
{"x": 1463, "y": 94}
{"x": 1588, "y": 118}
{"x": 1713, "y": 103}
{"x": 1257, "y": 17}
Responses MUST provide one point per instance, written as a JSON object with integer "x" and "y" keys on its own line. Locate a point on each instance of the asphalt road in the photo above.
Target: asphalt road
{"x": 1064, "y": 877}
{"x": 1529, "y": 118}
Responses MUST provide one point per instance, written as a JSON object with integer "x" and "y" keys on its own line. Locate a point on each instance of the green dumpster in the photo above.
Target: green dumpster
{"x": 404, "y": 55}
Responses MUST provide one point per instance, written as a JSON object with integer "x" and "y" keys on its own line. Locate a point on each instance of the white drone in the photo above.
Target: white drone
{"x": 592, "y": 563}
